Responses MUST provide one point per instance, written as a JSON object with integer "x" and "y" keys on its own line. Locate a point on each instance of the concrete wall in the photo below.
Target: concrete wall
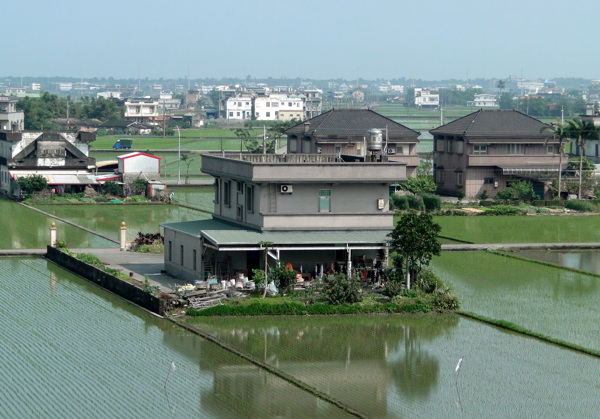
{"x": 109, "y": 282}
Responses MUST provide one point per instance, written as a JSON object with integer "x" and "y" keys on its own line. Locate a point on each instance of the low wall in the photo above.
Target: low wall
{"x": 107, "y": 281}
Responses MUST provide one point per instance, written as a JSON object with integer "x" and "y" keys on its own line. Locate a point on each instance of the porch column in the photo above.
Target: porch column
{"x": 53, "y": 235}
{"x": 349, "y": 264}
{"x": 123, "y": 236}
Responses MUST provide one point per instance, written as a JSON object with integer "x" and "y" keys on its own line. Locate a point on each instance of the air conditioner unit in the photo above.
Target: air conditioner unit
{"x": 286, "y": 189}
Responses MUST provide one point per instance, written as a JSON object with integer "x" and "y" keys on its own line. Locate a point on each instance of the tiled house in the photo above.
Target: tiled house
{"x": 345, "y": 132}
{"x": 486, "y": 150}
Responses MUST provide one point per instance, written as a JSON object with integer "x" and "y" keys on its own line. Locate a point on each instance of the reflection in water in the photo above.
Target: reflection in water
{"x": 354, "y": 360}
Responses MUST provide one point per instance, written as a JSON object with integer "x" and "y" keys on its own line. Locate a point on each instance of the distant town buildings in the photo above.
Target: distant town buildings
{"x": 141, "y": 110}
{"x": 484, "y": 100}
{"x": 11, "y": 119}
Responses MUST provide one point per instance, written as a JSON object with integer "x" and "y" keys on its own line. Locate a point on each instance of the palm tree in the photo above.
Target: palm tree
{"x": 560, "y": 133}
{"x": 583, "y": 131}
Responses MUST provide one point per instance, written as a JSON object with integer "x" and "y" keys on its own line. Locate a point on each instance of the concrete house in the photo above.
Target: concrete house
{"x": 60, "y": 157}
{"x": 344, "y": 132}
{"x": 486, "y": 150}
{"x": 11, "y": 119}
{"x": 319, "y": 212}
{"x": 141, "y": 110}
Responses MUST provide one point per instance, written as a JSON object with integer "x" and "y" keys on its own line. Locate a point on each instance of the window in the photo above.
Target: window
{"x": 550, "y": 149}
{"x": 359, "y": 149}
{"x": 240, "y": 187}
{"x": 237, "y": 114}
{"x": 450, "y": 146}
{"x": 306, "y": 145}
{"x": 480, "y": 148}
{"x": 217, "y": 190}
{"x": 195, "y": 264}
{"x": 488, "y": 181}
{"x": 439, "y": 175}
{"x": 268, "y": 114}
{"x": 257, "y": 114}
{"x": 439, "y": 145}
{"x": 459, "y": 178}
{"x": 293, "y": 145}
{"x": 181, "y": 254}
{"x": 324, "y": 200}
{"x": 515, "y": 148}
{"x": 230, "y": 113}
{"x": 337, "y": 149}
{"x": 170, "y": 250}
{"x": 240, "y": 212}
{"x": 227, "y": 193}
{"x": 247, "y": 103}
{"x": 250, "y": 199}
{"x": 459, "y": 147}
{"x": 268, "y": 104}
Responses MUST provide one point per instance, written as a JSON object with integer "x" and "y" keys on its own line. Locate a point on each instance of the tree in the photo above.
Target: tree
{"x": 188, "y": 161}
{"x": 559, "y": 132}
{"x": 506, "y": 101}
{"x": 501, "y": 85}
{"x": 33, "y": 183}
{"x": 419, "y": 184}
{"x": 415, "y": 240}
{"x": 253, "y": 144}
{"x": 583, "y": 131}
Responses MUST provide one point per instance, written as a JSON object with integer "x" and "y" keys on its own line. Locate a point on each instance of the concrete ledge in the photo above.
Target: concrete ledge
{"x": 107, "y": 281}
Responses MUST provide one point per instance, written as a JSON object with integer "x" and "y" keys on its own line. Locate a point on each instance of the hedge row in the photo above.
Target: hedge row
{"x": 295, "y": 308}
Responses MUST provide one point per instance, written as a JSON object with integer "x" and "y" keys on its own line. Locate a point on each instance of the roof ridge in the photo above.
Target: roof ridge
{"x": 328, "y": 114}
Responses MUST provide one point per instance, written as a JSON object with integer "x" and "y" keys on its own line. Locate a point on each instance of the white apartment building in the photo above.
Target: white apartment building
{"x": 426, "y": 99}
{"x": 239, "y": 107}
{"x": 141, "y": 110}
{"x": 484, "y": 100}
{"x": 278, "y": 107}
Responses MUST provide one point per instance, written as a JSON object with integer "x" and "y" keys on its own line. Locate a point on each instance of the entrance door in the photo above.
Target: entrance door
{"x": 538, "y": 189}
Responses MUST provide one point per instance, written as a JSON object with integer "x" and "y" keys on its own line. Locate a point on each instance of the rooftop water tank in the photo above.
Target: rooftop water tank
{"x": 375, "y": 141}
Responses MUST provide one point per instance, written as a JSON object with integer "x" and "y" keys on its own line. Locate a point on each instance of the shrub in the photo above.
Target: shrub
{"x": 90, "y": 259}
{"x": 415, "y": 202}
{"x": 399, "y": 202}
{"x": 554, "y": 203}
{"x": 32, "y": 183}
{"x": 283, "y": 277}
{"x": 100, "y": 199}
{"x": 445, "y": 301}
{"x": 432, "y": 202}
{"x": 427, "y": 281}
{"x": 506, "y": 194}
{"x": 502, "y": 210}
{"x": 342, "y": 290}
{"x": 539, "y": 203}
{"x": 111, "y": 187}
{"x": 486, "y": 203}
{"x": 580, "y": 205}
{"x": 483, "y": 195}
{"x": 148, "y": 238}
{"x": 460, "y": 194}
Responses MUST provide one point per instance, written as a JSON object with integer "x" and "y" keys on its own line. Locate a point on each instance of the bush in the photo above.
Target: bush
{"x": 415, "y": 202}
{"x": 580, "y": 205}
{"x": 555, "y": 203}
{"x": 428, "y": 282}
{"x": 283, "y": 277}
{"x": 460, "y": 194}
{"x": 90, "y": 259}
{"x": 486, "y": 203}
{"x": 502, "y": 210}
{"x": 539, "y": 203}
{"x": 342, "y": 290}
{"x": 100, "y": 199}
{"x": 445, "y": 301}
{"x": 506, "y": 194}
{"x": 483, "y": 195}
{"x": 399, "y": 202}
{"x": 111, "y": 187}
{"x": 432, "y": 202}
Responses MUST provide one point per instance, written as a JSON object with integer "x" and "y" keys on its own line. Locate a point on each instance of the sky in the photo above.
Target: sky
{"x": 348, "y": 39}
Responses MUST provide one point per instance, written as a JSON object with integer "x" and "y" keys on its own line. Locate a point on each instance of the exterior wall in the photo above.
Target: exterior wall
{"x": 29, "y": 137}
{"x": 137, "y": 164}
{"x": 141, "y": 111}
{"x": 174, "y": 241}
{"x": 289, "y": 115}
{"x": 264, "y": 109}
{"x": 9, "y": 115}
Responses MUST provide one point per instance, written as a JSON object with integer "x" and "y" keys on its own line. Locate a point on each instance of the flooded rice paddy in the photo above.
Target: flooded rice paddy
{"x": 526, "y": 229}
{"x": 71, "y": 349}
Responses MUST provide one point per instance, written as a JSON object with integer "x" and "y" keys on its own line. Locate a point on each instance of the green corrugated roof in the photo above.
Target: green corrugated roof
{"x": 221, "y": 233}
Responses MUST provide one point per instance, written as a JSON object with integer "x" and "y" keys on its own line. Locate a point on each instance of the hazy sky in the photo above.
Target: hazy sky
{"x": 424, "y": 39}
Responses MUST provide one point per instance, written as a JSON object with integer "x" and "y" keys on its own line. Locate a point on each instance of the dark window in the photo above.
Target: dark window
{"x": 227, "y": 193}
{"x": 250, "y": 199}
{"x": 181, "y": 254}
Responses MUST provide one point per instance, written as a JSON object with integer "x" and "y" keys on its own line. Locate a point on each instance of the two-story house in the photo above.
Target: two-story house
{"x": 484, "y": 100}
{"x": 345, "y": 132}
{"x": 11, "y": 119}
{"x": 141, "y": 110}
{"x": 317, "y": 211}
{"x": 60, "y": 157}
{"x": 239, "y": 107}
{"x": 486, "y": 150}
